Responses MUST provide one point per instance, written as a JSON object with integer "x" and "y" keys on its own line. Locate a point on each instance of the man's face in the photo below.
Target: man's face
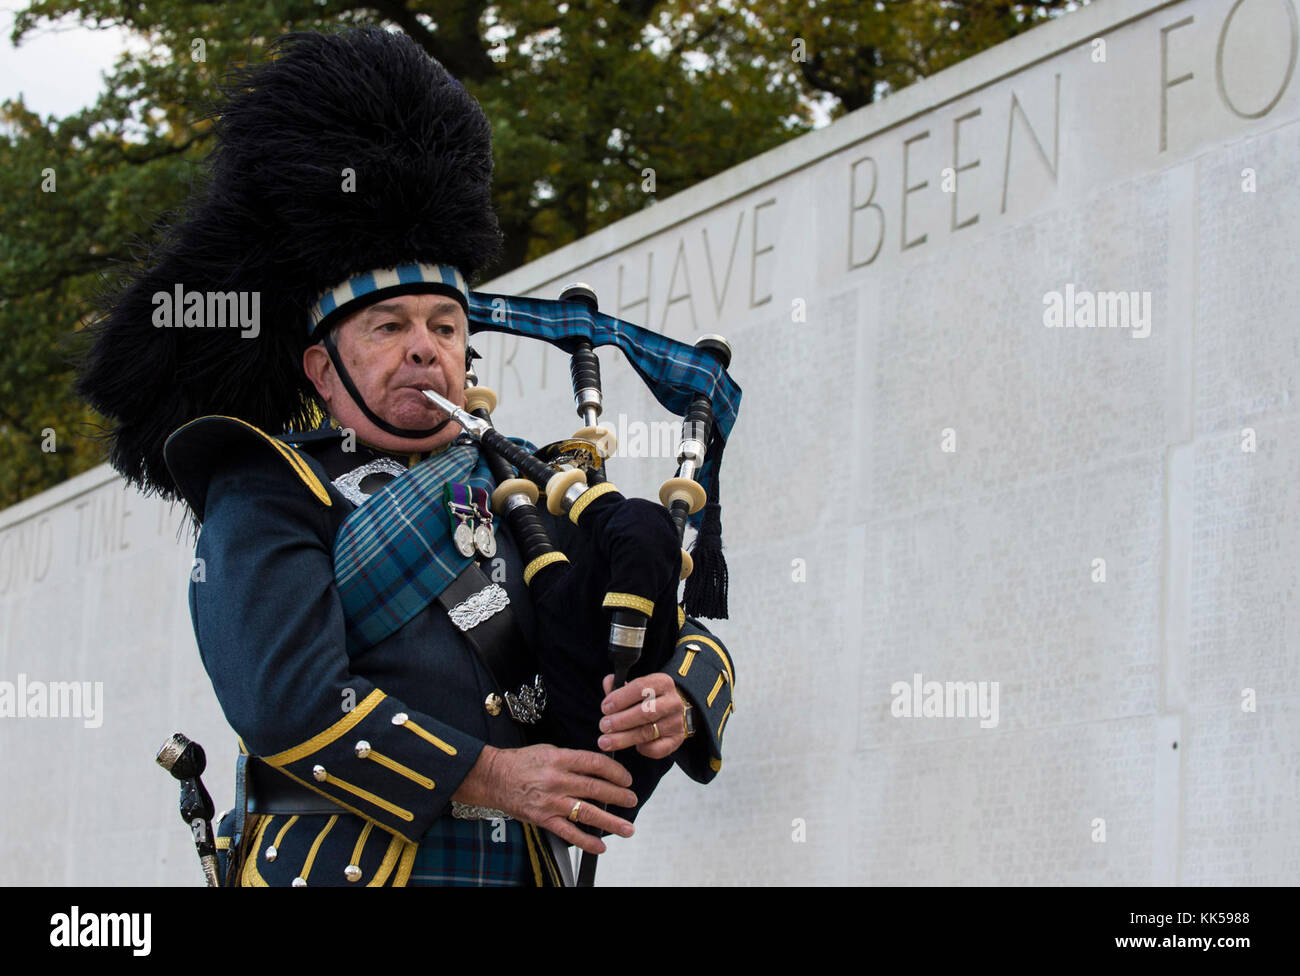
{"x": 392, "y": 350}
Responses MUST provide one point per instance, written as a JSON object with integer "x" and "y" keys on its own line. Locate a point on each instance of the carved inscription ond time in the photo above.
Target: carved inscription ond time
{"x": 26, "y": 551}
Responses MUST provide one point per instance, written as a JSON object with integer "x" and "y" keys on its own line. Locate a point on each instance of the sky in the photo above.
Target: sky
{"x": 58, "y": 68}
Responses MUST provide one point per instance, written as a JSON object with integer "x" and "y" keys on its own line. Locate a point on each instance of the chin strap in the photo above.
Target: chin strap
{"x": 374, "y": 418}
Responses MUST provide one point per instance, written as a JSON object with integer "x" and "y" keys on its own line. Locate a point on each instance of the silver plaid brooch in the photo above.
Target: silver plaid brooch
{"x": 349, "y": 485}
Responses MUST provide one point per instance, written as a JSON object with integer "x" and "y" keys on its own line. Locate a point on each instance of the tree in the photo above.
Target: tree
{"x": 855, "y": 52}
{"x": 583, "y": 96}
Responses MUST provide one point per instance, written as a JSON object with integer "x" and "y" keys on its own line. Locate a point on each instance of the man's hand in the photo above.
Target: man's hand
{"x": 646, "y": 713}
{"x": 541, "y": 784}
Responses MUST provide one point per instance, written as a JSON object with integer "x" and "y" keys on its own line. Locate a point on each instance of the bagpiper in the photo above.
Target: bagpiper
{"x": 270, "y": 364}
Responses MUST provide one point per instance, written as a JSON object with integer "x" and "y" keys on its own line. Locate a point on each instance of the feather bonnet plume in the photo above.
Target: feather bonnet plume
{"x": 346, "y": 152}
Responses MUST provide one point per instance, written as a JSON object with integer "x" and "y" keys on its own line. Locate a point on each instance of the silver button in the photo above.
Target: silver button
{"x": 352, "y": 872}
{"x": 271, "y": 853}
{"x": 400, "y": 718}
{"x": 300, "y": 882}
{"x": 319, "y": 773}
{"x": 363, "y": 749}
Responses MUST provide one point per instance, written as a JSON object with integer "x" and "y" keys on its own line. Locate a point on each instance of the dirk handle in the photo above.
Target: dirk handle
{"x": 186, "y": 761}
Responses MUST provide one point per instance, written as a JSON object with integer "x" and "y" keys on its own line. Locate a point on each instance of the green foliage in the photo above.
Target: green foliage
{"x": 584, "y": 97}
{"x": 857, "y": 51}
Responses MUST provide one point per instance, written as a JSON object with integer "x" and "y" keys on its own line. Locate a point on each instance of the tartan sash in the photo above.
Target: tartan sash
{"x": 394, "y": 554}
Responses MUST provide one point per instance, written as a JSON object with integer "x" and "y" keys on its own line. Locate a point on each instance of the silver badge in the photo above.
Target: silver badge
{"x": 484, "y": 540}
{"x": 478, "y": 607}
{"x": 527, "y": 704}
{"x": 464, "y": 539}
{"x": 349, "y": 485}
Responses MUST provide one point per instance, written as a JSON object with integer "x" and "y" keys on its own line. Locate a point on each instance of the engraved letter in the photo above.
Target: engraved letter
{"x": 911, "y": 189}
{"x": 959, "y": 167}
{"x": 1286, "y": 80}
{"x": 1166, "y": 82}
{"x": 867, "y": 204}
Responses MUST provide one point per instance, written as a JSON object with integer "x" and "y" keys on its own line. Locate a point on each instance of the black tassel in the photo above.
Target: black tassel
{"x": 706, "y": 587}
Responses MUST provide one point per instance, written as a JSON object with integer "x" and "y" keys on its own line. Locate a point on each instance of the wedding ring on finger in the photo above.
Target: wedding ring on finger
{"x": 573, "y": 814}
{"x": 655, "y": 727}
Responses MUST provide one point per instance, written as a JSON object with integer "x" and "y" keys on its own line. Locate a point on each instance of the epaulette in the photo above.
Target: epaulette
{"x": 195, "y": 451}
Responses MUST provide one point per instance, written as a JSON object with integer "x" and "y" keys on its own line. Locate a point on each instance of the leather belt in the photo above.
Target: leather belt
{"x": 488, "y": 626}
{"x": 270, "y": 791}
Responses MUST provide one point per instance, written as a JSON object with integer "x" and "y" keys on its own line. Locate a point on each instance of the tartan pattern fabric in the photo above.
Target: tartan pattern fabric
{"x": 673, "y": 371}
{"x": 394, "y": 554}
{"x": 462, "y": 853}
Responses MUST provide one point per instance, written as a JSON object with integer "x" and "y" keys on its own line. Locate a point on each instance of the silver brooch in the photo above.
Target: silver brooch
{"x": 478, "y": 607}
{"x": 349, "y": 485}
{"x": 527, "y": 704}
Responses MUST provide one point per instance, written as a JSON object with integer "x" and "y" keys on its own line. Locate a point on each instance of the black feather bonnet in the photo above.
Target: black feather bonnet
{"x": 347, "y": 153}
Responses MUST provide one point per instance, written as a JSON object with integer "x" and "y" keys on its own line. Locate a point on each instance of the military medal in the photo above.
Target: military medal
{"x": 485, "y": 541}
{"x": 456, "y": 498}
{"x": 463, "y": 536}
{"x": 471, "y": 520}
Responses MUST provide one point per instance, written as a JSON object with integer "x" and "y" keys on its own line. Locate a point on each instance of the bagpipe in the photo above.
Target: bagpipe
{"x": 604, "y": 569}
{"x": 605, "y": 578}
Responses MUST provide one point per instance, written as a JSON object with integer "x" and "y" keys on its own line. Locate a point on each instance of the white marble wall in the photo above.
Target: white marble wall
{"x": 923, "y": 480}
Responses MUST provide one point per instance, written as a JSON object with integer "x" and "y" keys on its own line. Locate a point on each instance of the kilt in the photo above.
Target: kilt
{"x": 462, "y": 853}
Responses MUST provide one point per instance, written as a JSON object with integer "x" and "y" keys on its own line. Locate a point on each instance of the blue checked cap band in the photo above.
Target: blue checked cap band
{"x": 371, "y": 286}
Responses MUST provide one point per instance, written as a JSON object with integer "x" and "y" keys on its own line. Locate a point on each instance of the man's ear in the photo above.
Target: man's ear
{"x": 316, "y": 364}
